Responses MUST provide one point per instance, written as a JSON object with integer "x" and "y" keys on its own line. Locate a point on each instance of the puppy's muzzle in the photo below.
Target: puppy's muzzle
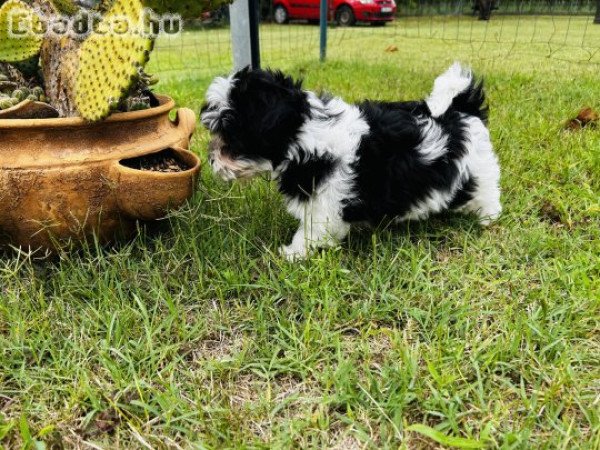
{"x": 222, "y": 164}
{"x": 231, "y": 168}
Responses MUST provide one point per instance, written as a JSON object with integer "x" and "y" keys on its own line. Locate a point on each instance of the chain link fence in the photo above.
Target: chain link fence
{"x": 561, "y": 31}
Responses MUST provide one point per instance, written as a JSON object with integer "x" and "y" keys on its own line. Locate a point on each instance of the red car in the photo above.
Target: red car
{"x": 345, "y": 12}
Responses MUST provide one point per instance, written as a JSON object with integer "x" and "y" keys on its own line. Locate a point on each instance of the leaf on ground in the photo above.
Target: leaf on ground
{"x": 24, "y": 429}
{"x": 444, "y": 439}
{"x": 391, "y": 48}
{"x": 586, "y": 117}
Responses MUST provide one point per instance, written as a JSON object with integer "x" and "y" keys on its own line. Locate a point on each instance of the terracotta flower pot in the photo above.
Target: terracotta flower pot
{"x": 66, "y": 179}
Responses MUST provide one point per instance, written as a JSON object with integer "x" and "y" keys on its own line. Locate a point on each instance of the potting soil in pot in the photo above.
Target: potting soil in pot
{"x": 165, "y": 161}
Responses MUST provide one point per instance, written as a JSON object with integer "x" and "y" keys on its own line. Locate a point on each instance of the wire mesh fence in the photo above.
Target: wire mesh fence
{"x": 568, "y": 38}
{"x": 552, "y": 30}
{"x": 511, "y": 7}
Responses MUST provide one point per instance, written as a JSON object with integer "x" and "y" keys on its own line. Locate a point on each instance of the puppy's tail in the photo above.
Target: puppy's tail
{"x": 456, "y": 89}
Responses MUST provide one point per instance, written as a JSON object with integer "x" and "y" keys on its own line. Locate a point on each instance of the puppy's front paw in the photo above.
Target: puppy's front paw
{"x": 292, "y": 253}
{"x": 485, "y": 220}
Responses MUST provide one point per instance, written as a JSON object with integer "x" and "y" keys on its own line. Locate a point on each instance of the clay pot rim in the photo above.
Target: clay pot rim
{"x": 166, "y": 105}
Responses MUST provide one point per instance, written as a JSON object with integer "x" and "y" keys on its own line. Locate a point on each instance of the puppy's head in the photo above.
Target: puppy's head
{"x": 253, "y": 116}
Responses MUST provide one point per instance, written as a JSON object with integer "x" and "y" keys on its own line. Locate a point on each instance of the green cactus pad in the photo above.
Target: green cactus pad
{"x": 12, "y": 48}
{"x": 110, "y": 61}
{"x": 65, "y": 6}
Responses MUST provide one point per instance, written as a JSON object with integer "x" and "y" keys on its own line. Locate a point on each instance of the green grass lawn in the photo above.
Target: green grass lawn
{"x": 202, "y": 337}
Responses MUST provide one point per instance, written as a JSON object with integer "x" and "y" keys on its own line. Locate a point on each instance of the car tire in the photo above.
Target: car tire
{"x": 345, "y": 16}
{"x": 280, "y": 15}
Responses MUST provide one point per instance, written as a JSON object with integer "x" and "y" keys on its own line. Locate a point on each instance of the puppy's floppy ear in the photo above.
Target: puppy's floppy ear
{"x": 268, "y": 97}
{"x": 273, "y": 82}
{"x": 285, "y": 99}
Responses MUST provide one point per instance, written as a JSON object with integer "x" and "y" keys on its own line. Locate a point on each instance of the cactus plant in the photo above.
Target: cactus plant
{"x": 65, "y": 6}
{"x": 86, "y": 75}
{"x": 123, "y": 56}
{"x": 19, "y": 48}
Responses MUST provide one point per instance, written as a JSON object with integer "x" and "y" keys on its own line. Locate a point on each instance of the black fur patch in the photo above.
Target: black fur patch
{"x": 464, "y": 194}
{"x": 454, "y": 127}
{"x": 472, "y": 101}
{"x": 301, "y": 177}
{"x": 416, "y": 108}
{"x": 391, "y": 176}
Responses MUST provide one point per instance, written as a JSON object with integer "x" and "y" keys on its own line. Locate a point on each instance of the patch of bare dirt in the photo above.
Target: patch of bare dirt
{"x": 250, "y": 389}
{"x": 379, "y": 344}
{"x": 290, "y": 397}
{"x": 217, "y": 347}
{"x": 550, "y": 213}
{"x": 342, "y": 439}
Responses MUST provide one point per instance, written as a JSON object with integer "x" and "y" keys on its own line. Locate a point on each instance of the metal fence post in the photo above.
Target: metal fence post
{"x": 597, "y": 18}
{"x": 323, "y": 23}
{"x": 244, "y": 34}
{"x": 254, "y": 17}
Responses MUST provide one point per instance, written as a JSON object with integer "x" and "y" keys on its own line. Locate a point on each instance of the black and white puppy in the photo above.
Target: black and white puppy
{"x": 338, "y": 164}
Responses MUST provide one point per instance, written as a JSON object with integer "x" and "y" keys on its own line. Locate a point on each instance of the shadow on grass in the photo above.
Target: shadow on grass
{"x": 440, "y": 230}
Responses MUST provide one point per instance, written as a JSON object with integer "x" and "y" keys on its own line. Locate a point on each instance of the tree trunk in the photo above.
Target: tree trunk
{"x": 59, "y": 59}
{"x": 597, "y": 18}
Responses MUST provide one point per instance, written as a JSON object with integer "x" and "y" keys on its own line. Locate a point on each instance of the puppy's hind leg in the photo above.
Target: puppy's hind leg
{"x": 484, "y": 171}
{"x": 487, "y": 206}
{"x": 485, "y": 201}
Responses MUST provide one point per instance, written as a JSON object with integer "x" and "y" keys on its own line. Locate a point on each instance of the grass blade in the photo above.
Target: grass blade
{"x": 444, "y": 439}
